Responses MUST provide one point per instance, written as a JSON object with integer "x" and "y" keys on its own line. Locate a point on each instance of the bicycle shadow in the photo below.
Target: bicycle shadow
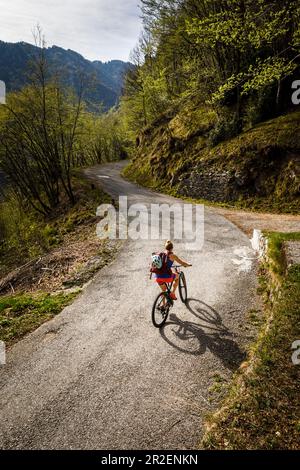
{"x": 196, "y": 338}
{"x": 210, "y": 317}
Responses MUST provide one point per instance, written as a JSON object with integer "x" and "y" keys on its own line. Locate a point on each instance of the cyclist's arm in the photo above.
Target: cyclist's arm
{"x": 179, "y": 261}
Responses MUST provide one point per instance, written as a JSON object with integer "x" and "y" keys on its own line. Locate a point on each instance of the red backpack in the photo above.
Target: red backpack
{"x": 164, "y": 269}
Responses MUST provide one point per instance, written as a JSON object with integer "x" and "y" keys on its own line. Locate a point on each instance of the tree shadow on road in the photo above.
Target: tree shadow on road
{"x": 197, "y": 337}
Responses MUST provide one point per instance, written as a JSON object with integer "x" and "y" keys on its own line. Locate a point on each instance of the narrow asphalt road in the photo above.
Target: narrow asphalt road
{"x": 100, "y": 376}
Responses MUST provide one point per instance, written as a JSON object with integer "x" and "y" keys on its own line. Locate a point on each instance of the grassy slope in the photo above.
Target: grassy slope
{"x": 159, "y": 155}
{"x": 173, "y": 147}
{"x": 262, "y": 409}
{"x": 20, "y": 314}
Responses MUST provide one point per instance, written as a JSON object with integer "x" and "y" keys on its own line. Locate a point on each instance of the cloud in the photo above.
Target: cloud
{"x": 97, "y": 29}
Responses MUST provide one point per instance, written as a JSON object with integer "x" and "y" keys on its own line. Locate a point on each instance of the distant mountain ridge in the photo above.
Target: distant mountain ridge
{"x": 107, "y": 77}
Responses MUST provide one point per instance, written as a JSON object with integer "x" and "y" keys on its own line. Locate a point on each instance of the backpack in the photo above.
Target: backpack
{"x": 164, "y": 259}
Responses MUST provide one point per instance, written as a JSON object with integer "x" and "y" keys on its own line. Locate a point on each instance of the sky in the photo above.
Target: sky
{"x": 97, "y": 29}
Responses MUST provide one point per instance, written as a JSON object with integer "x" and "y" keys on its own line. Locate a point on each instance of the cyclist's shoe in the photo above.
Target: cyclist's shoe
{"x": 173, "y": 296}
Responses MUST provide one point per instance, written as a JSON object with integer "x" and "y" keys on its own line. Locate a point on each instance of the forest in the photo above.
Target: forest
{"x": 210, "y": 101}
{"x": 239, "y": 57}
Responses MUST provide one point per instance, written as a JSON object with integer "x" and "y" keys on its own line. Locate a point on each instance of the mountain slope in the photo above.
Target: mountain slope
{"x": 105, "y": 79}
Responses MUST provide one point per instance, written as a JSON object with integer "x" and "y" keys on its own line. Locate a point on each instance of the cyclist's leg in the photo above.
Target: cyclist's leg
{"x": 163, "y": 287}
{"x": 175, "y": 283}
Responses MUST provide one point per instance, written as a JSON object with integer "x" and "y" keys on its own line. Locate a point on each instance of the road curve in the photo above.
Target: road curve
{"x": 100, "y": 376}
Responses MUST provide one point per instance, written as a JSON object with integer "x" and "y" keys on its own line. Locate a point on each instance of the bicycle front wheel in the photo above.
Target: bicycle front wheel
{"x": 160, "y": 310}
{"x": 182, "y": 287}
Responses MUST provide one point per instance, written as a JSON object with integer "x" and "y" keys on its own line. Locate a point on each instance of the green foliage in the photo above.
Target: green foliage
{"x": 24, "y": 234}
{"x": 256, "y": 37}
{"x": 20, "y": 314}
{"x": 258, "y": 108}
{"x": 146, "y": 95}
{"x": 225, "y": 128}
{"x": 102, "y": 138}
{"x": 227, "y": 54}
{"x": 275, "y": 252}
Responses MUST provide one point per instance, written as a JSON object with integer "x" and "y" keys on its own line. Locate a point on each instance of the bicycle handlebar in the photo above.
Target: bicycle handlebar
{"x": 179, "y": 266}
{"x": 175, "y": 266}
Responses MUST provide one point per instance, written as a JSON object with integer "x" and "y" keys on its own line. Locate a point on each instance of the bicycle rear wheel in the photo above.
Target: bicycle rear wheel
{"x": 182, "y": 287}
{"x": 160, "y": 310}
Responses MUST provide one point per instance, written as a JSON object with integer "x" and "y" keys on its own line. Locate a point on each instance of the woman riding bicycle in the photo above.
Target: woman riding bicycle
{"x": 167, "y": 275}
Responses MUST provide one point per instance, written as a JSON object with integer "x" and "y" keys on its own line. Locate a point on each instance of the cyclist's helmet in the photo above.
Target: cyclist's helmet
{"x": 156, "y": 261}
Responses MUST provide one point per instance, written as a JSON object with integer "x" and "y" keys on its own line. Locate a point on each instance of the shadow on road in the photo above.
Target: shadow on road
{"x": 206, "y": 313}
{"x": 198, "y": 337}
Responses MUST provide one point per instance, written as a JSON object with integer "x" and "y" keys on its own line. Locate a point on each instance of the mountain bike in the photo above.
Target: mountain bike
{"x": 164, "y": 302}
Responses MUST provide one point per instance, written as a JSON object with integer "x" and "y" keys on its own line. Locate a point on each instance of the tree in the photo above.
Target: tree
{"x": 39, "y": 129}
{"x": 230, "y": 54}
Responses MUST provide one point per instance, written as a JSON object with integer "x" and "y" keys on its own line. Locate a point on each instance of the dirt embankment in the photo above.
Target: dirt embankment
{"x": 72, "y": 264}
{"x": 259, "y": 169}
{"x": 77, "y": 253}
